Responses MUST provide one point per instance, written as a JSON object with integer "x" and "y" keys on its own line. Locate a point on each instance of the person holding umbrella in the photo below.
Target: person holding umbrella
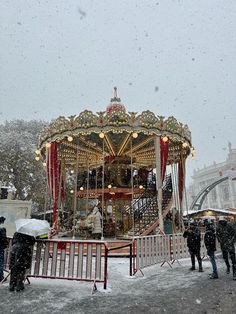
{"x": 3, "y": 245}
{"x": 22, "y": 249}
{"x": 20, "y": 259}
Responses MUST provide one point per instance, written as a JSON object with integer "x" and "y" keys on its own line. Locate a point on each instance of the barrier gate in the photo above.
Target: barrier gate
{"x": 70, "y": 259}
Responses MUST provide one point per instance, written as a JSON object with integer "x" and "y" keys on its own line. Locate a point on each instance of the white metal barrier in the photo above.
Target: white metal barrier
{"x": 150, "y": 250}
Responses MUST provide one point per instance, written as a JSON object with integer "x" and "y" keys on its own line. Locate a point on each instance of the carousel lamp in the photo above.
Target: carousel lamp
{"x": 109, "y": 186}
{"x": 185, "y": 145}
{"x": 37, "y": 152}
{"x": 37, "y": 158}
{"x": 81, "y": 188}
{"x": 48, "y": 145}
{"x": 101, "y": 135}
{"x": 71, "y": 191}
{"x": 135, "y": 134}
{"x": 165, "y": 139}
{"x": 69, "y": 138}
{"x": 72, "y": 171}
{"x": 44, "y": 164}
{"x": 141, "y": 187}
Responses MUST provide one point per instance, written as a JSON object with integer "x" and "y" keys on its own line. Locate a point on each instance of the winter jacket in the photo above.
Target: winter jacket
{"x": 193, "y": 239}
{"x": 21, "y": 251}
{"x": 97, "y": 222}
{"x": 3, "y": 238}
{"x": 210, "y": 239}
{"x": 225, "y": 235}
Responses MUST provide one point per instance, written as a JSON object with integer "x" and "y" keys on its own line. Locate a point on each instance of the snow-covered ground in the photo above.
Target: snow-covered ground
{"x": 160, "y": 290}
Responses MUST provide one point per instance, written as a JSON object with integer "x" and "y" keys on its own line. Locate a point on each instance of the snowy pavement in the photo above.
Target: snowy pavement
{"x": 161, "y": 290}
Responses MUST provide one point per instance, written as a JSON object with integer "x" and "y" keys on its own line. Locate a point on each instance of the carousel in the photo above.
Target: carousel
{"x": 132, "y": 165}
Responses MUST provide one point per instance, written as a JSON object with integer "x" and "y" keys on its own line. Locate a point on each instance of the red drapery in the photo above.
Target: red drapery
{"x": 53, "y": 176}
{"x": 164, "y": 149}
{"x": 181, "y": 179}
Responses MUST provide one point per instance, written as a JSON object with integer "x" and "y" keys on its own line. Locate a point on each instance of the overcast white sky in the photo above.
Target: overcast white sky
{"x": 173, "y": 57}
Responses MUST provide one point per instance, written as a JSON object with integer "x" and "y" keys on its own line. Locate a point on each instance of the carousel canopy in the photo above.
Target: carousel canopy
{"x": 119, "y": 134}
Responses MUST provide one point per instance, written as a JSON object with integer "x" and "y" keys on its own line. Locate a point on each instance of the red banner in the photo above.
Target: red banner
{"x": 53, "y": 176}
{"x": 181, "y": 179}
{"x": 164, "y": 149}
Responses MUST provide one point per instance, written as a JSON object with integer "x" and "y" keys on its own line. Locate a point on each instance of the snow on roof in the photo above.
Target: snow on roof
{"x": 216, "y": 210}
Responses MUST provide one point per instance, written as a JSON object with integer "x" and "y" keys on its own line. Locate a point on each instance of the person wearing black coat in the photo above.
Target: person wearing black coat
{"x": 210, "y": 243}
{"x": 20, "y": 259}
{"x": 3, "y": 245}
{"x": 226, "y": 236}
{"x": 194, "y": 244}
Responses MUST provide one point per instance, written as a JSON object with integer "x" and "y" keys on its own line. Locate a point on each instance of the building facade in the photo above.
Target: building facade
{"x": 223, "y": 196}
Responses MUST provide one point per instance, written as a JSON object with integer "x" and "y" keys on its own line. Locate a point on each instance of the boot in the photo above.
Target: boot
{"x": 234, "y": 272}
{"x": 192, "y": 268}
{"x": 228, "y": 270}
{"x": 214, "y": 276}
{"x": 200, "y": 266}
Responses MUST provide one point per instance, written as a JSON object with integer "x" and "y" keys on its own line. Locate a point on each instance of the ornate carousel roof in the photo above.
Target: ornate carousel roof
{"x": 83, "y": 137}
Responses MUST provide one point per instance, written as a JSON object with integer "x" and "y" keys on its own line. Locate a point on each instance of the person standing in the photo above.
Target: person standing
{"x": 210, "y": 243}
{"x": 3, "y": 245}
{"x": 194, "y": 244}
{"x": 97, "y": 222}
{"x": 20, "y": 259}
{"x": 225, "y": 235}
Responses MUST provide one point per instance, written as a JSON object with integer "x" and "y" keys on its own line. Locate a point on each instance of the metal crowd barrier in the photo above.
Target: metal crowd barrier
{"x": 68, "y": 259}
{"x": 151, "y": 250}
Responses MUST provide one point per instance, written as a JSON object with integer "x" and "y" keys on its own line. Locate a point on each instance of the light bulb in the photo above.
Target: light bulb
{"x": 135, "y": 134}
{"x": 37, "y": 152}
{"x": 141, "y": 187}
{"x": 165, "y": 139}
{"x": 37, "y": 158}
{"x": 48, "y": 145}
{"x": 81, "y": 188}
{"x": 71, "y": 191}
{"x": 70, "y": 138}
{"x": 109, "y": 186}
{"x": 185, "y": 144}
{"x": 101, "y": 135}
{"x": 44, "y": 164}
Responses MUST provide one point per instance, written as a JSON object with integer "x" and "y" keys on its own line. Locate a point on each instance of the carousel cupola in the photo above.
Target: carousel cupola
{"x": 115, "y": 104}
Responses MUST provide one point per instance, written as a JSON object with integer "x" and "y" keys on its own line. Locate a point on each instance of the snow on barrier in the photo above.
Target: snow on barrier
{"x": 70, "y": 259}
